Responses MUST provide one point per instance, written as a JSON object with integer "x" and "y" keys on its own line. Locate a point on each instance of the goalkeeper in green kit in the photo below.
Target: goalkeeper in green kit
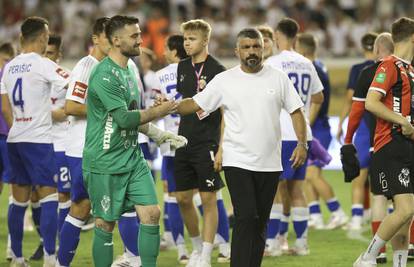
{"x": 115, "y": 172}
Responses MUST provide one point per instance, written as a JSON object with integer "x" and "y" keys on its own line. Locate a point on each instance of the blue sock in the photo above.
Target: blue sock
{"x": 314, "y": 207}
{"x": 300, "y": 217}
{"x": 176, "y": 221}
{"x": 48, "y": 222}
{"x": 63, "y": 212}
{"x": 223, "y": 221}
{"x": 36, "y": 211}
{"x": 167, "y": 225}
{"x": 284, "y": 224}
{"x": 333, "y": 204}
{"x": 357, "y": 210}
{"x": 274, "y": 221}
{"x": 128, "y": 226}
{"x": 69, "y": 233}
{"x": 15, "y": 222}
{"x": 390, "y": 209}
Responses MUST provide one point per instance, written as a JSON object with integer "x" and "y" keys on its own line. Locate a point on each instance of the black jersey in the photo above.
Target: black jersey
{"x": 191, "y": 79}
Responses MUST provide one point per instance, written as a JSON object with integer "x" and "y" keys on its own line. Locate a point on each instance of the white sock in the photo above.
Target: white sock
{"x": 224, "y": 249}
{"x": 400, "y": 258}
{"x": 197, "y": 243}
{"x": 182, "y": 250}
{"x": 206, "y": 252}
{"x": 373, "y": 249}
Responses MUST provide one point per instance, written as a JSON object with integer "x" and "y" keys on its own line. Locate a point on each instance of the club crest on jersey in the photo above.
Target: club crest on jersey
{"x": 79, "y": 89}
{"x": 62, "y": 73}
{"x": 182, "y": 76}
{"x": 130, "y": 84}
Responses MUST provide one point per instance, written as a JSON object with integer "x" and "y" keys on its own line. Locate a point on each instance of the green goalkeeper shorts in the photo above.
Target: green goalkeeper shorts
{"x": 111, "y": 195}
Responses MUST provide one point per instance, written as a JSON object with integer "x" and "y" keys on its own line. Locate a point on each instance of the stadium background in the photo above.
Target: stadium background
{"x": 338, "y": 25}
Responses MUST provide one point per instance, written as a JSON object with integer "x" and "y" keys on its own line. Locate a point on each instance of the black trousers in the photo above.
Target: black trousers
{"x": 252, "y": 195}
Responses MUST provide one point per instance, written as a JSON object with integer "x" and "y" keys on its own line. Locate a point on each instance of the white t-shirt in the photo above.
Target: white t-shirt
{"x": 78, "y": 91}
{"x": 28, "y": 80}
{"x": 167, "y": 78}
{"x": 59, "y": 129}
{"x": 252, "y": 103}
{"x": 305, "y": 80}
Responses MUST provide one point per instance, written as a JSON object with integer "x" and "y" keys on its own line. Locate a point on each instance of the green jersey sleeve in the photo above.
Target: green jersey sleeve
{"x": 110, "y": 91}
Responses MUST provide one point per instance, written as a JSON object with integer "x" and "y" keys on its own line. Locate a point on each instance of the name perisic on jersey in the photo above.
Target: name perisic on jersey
{"x": 20, "y": 68}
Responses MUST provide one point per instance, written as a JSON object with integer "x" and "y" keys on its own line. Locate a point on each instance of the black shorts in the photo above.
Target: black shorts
{"x": 392, "y": 168}
{"x": 194, "y": 169}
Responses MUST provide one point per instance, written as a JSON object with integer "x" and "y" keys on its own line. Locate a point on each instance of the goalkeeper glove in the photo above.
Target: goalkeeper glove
{"x": 160, "y": 137}
{"x": 350, "y": 162}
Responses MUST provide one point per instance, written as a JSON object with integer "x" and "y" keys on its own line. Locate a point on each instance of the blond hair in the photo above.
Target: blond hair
{"x": 197, "y": 25}
{"x": 266, "y": 31}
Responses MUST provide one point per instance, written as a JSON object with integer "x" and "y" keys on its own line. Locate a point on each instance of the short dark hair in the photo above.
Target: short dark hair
{"x": 289, "y": 27}
{"x": 118, "y": 22}
{"x": 8, "y": 49}
{"x": 308, "y": 41}
{"x": 401, "y": 29}
{"x": 32, "y": 27}
{"x": 368, "y": 40}
{"x": 176, "y": 42}
{"x": 251, "y": 33}
{"x": 99, "y": 25}
{"x": 55, "y": 40}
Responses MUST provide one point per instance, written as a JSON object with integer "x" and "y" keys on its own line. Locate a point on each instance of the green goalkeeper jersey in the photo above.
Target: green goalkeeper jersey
{"x": 108, "y": 148}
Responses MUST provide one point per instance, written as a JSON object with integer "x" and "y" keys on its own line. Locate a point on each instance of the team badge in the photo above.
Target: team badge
{"x": 105, "y": 203}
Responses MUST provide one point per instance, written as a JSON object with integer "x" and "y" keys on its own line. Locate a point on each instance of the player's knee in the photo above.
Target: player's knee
{"x": 184, "y": 200}
{"x": 104, "y": 225}
{"x": 208, "y": 199}
{"x": 150, "y": 215}
{"x": 80, "y": 209}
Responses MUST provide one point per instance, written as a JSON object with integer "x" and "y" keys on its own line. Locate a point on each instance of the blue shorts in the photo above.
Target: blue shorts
{"x": 63, "y": 183}
{"x": 32, "y": 164}
{"x": 362, "y": 143}
{"x": 167, "y": 173}
{"x": 78, "y": 191}
{"x": 4, "y": 160}
{"x": 322, "y": 131}
{"x": 288, "y": 172}
{"x": 146, "y": 151}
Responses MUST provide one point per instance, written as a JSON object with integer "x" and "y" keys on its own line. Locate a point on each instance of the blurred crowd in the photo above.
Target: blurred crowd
{"x": 338, "y": 24}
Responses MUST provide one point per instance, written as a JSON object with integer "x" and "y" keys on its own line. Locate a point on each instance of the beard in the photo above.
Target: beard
{"x": 252, "y": 61}
{"x": 131, "y": 52}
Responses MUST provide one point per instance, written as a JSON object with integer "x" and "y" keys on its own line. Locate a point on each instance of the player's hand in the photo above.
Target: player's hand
{"x": 166, "y": 108}
{"x": 407, "y": 129}
{"x": 159, "y": 99}
{"x": 298, "y": 156}
{"x": 218, "y": 159}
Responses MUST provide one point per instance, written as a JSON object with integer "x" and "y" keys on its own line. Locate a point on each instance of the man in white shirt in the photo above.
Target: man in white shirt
{"x": 25, "y": 87}
{"x": 252, "y": 96}
{"x": 305, "y": 79}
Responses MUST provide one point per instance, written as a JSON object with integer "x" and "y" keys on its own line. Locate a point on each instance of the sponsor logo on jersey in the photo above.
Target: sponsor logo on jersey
{"x": 79, "y": 89}
{"x": 108, "y": 132}
{"x": 62, "y": 73}
{"x": 381, "y": 77}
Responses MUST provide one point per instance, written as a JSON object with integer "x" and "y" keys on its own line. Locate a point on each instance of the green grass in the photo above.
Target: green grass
{"x": 328, "y": 248}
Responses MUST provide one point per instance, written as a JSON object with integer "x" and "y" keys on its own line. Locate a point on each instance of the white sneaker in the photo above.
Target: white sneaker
{"x": 167, "y": 242}
{"x": 337, "y": 219}
{"x": 203, "y": 263}
{"x": 194, "y": 259}
{"x": 273, "y": 248}
{"x": 316, "y": 222}
{"x": 301, "y": 248}
{"x": 360, "y": 262}
{"x": 49, "y": 260}
{"x": 9, "y": 253}
{"x": 224, "y": 253}
{"x": 183, "y": 259}
{"x": 125, "y": 261}
{"x": 18, "y": 263}
{"x": 355, "y": 224}
{"x": 283, "y": 242}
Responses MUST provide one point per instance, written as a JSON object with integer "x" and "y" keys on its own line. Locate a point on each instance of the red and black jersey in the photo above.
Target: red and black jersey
{"x": 394, "y": 78}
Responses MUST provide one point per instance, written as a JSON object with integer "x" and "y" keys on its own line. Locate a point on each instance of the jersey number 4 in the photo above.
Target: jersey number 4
{"x": 18, "y": 94}
{"x": 301, "y": 84}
